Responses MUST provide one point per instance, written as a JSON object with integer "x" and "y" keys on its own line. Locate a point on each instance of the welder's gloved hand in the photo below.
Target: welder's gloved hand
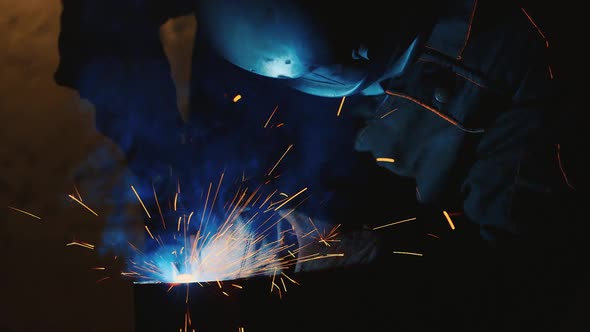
{"x": 322, "y": 247}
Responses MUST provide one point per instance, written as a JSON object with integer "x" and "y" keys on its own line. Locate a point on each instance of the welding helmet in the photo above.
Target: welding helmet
{"x": 328, "y": 51}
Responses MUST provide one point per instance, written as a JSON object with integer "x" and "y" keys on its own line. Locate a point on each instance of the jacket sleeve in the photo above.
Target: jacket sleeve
{"x": 515, "y": 185}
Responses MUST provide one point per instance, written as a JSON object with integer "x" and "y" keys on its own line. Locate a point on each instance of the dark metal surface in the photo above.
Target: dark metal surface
{"x": 359, "y": 298}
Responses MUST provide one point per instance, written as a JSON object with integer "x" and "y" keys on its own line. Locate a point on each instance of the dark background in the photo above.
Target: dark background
{"x": 49, "y": 146}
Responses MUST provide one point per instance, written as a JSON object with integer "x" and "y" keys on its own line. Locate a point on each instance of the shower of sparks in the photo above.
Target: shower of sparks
{"x": 236, "y": 241}
{"x": 25, "y": 212}
{"x": 449, "y": 220}
{"x": 340, "y": 106}
{"x": 84, "y": 205}
{"x": 394, "y": 223}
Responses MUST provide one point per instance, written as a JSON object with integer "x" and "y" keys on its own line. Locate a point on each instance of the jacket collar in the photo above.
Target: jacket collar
{"x": 451, "y": 33}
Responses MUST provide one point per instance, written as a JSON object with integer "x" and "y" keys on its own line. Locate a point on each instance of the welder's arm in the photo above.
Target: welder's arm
{"x": 512, "y": 187}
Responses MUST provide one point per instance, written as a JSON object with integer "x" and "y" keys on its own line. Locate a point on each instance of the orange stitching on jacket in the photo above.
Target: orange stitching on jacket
{"x": 437, "y": 112}
{"x": 437, "y": 50}
{"x": 481, "y": 85}
{"x": 536, "y": 27}
{"x": 562, "y": 169}
{"x": 468, "y": 34}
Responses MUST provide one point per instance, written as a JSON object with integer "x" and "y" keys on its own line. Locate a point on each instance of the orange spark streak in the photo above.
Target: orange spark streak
{"x": 271, "y": 115}
{"x": 449, "y": 220}
{"x": 408, "y": 253}
{"x": 385, "y": 160}
{"x": 290, "y": 279}
{"x": 141, "y": 202}
{"x": 175, "y": 200}
{"x": 98, "y": 268}
{"x": 25, "y": 212}
{"x": 283, "y": 156}
{"x": 77, "y": 193}
{"x": 277, "y": 202}
{"x": 394, "y": 223}
{"x": 316, "y": 256}
{"x": 81, "y": 244}
{"x": 188, "y": 223}
{"x": 340, "y": 107}
{"x": 291, "y": 198}
{"x": 236, "y": 98}
{"x": 185, "y": 244}
{"x": 206, "y": 202}
{"x": 229, "y": 219}
{"x": 102, "y": 279}
{"x": 267, "y": 198}
{"x": 386, "y": 114}
{"x": 215, "y": 197}
{"x": 237, "y": 286}
{"x": 186, "y": 299}
{"x": 257, "y": 199}
{"x": 84, "y": 205}
{"x": 159, "y": 208}
{"x": 562, "y": 169}
{"x": 150, "y": 233}
{"x": 314, "y": 226}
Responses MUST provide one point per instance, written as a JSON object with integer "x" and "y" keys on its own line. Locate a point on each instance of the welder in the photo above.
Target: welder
{"x": 457, "y": 95}
{"x": 454, "y": 98}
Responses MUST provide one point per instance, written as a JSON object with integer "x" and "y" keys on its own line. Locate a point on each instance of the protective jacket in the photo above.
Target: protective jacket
{"x": 470, "y": 119}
